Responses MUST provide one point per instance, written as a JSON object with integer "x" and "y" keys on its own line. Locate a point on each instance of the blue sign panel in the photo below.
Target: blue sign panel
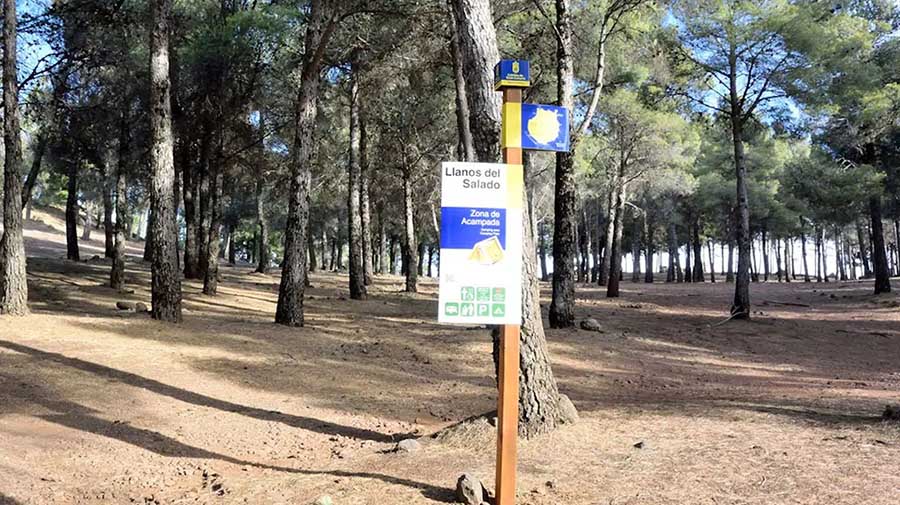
{"x": 512, "y": 73}
{"x": 465, "y": 227}
{"x": 545, "y": 127}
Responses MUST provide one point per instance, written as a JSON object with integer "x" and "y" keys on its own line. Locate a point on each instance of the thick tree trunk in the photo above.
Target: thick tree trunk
{"x": 712, "y": 261}
{"x": 293, "y": 273}
{"x": 688, "y": 265}
{"x": 540, "y": 404}
{"x": 612, "y": 215}
{"x": 562, "y": 304}
{"x": 205, "y": 198}
{"x": 410, "y": 247}
{"x": 354, "y": 212}
{"x": 879, "y": 256}
{"x": 729, "y": 275}
{"x": 166, "y": 284}
{"x": 13, "y": 278}
{"x": 740, "y": 307}
{"x": 72, "y": 213}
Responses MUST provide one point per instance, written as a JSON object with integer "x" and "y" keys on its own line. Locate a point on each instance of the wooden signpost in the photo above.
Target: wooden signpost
{"x": 482, "y": 209}
{"x": 508, "y": 369}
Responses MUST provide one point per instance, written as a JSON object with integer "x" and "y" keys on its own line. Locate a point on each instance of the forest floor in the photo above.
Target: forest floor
{"x": 104, "y": 406}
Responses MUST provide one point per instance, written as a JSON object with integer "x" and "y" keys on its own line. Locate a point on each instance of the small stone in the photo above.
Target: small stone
{"x": 470, "y": 490}
{"x": 591, "y": 324}
{"x": 141, "y": 307}
{"x": 639, "y": 445}
{"x": 121, "y": 305}
{"x": 409, "y": 445}
{"x": 323, "y": 500}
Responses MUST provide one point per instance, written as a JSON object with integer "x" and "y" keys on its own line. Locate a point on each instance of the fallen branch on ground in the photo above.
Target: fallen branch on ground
{"x": 789, "y": 304}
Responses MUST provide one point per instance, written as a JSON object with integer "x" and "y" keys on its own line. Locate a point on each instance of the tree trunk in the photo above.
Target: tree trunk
{"x": 37, "y": 158}
{"x": 542, "y": 250}
{"x": 13, "y": 278}
{"x": 88, "y": 223}
{"x": 636, "y": 231}
{"x": 674, "y": 267}
{"x": 765, "y": 255}
{"x": 166, "y": 284}
{"x": 540, "y": 404}
{"x": 698, "y": 255}
{"x": 712, "y": 261}
{"x": 803, "y": 252}
{"x": 364, "y": 202}
{"x": 320, "y": 25}
{"x": 410, "y": 247}
{"x": 648, "y": 249}
{"x": 562, "y": 304}
{"x": 117, "y": 274}
{"x": 612, "y": 215}
{"x": 354, "y": 212}
{"x": 688, "y": 265}
{"x": 740, "y": 307}
{"x": 190, "y": 193}
{"x": 211, "y": 274}
{"x": 879, "y": 256}
{"x": 72, "y": 213}
{"x": 109, "y": 231}
{"x": 465, "y": 149}
{"x": 615, "y": 252}
{"x": 729, "y": 275}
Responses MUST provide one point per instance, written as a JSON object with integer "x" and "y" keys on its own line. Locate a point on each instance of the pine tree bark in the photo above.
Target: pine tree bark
{"x": 33, "y": 174}
{"x": 879, "y": 256}
{"x": 698, "y": 255}
{"x": 712, "y": 261}
{"x": 541, "y": 407}
{"x": 72, "y": 212}
{"x": 365, "y": 202}
{"x": 674, "y": 267}
{"x": 13, "y": 277}
{"x": 262, "y": 225}
{"x": 211, "y": 275}
{"x": 109, "y": 231}
{"x": 562, "y": 304}
{"x": 354, "y": 198}
{"x": 117, "y": 273}
{"x": 410, "y": 247}
{"x": 615, "y": 252}
{"x": 166, "y": 284}
{"x": 636, "y": 230}
{"x": 320, "y": 26}
{"x": 740, "y": 307}
{"x": 465, "y": 150}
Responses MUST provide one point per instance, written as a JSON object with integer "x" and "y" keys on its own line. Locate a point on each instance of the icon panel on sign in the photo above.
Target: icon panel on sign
{"x": 451, "y": 309}
{"x": 467, "y": 309}
{"x": 499, "y": 294}
{"x": 498, "y": 310}
{"x": 484, "y": 294}
{"x": 484, "y": 310}
{"x": 467, "y": 294}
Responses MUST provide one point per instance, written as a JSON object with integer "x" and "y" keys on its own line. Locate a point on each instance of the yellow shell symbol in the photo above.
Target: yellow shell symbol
{"x": 515, "y": 67}
{"x": 544, "y": 127}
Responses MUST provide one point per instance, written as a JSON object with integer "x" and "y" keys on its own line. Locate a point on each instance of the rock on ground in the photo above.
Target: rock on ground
{"x": 591, "y": 324}
{"x": 470, "y": 490}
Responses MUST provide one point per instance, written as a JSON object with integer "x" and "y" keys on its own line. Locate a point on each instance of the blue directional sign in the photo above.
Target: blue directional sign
{"x": 512, "y": 74}
{"x": 545, "y": 127}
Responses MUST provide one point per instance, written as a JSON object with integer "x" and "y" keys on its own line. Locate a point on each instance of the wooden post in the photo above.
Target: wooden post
{"x": 508, "y": 398}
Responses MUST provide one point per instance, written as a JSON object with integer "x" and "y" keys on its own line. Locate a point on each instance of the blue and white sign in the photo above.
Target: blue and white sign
{"x": 481, "y": 243}
{"x": 545, "y": 127}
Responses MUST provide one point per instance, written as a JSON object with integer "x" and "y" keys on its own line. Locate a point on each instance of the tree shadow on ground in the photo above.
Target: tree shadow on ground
{"x": 306, "y": 423}
{"x": 6, "y": 500}
{"x": 167, "y": 446}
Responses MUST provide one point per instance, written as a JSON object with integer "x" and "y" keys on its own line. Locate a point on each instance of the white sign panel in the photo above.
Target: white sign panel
{"x": 481, "y": 243}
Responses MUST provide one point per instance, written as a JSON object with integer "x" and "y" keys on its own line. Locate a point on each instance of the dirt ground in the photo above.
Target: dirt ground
{"x": 103, "y": 406}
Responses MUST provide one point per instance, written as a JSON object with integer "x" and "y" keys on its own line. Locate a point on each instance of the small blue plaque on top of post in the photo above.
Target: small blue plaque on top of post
{"x": 512, "y": 74}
